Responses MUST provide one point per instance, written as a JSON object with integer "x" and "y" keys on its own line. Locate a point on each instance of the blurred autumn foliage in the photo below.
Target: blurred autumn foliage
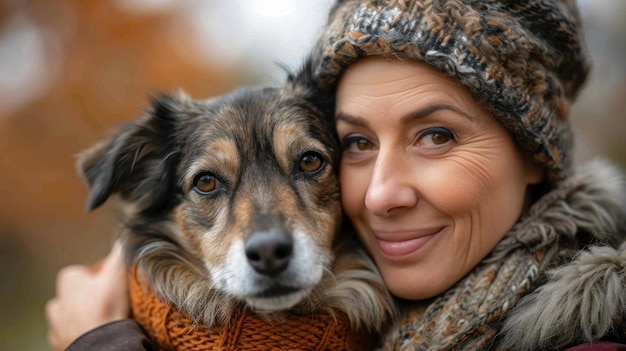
{"x": 71, "y": 71}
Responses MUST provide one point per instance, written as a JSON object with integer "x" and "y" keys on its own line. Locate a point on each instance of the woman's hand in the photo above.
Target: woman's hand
{"x": 87, "y": 297}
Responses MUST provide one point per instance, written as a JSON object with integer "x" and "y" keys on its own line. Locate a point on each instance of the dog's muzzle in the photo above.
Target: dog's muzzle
{"x": 272, "y": 269}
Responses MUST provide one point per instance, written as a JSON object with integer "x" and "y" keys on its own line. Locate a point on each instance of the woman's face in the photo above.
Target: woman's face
{"x": 430, "y": 180}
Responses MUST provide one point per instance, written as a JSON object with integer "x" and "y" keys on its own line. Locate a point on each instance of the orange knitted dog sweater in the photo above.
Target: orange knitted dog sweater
{"x": 174, "y": 330}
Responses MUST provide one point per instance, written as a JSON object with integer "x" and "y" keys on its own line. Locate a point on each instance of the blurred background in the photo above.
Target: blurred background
{"x": 71, "y": 71}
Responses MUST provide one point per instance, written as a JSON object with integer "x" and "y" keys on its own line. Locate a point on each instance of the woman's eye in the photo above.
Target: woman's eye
{"x": 311, "y": 162}
{"x": 357, "y": 143}
{"x": 205, "y": 183}
{"x": 436, "y": 136}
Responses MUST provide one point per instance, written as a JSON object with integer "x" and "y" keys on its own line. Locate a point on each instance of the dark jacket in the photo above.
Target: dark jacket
{"x": 120, "y": 335}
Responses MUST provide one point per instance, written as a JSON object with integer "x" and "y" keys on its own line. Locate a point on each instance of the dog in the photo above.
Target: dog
{"x": 234, "y": 202}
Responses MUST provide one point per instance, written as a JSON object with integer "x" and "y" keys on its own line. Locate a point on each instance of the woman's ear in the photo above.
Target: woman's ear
{"x": 535, "y": 174}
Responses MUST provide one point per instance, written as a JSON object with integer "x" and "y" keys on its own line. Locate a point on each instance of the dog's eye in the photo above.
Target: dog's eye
{"x": 205, "y": 183}
{"x": 311, "y": 162}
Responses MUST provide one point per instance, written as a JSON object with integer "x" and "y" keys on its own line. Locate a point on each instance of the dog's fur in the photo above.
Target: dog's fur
{"x": 234, "y": 202}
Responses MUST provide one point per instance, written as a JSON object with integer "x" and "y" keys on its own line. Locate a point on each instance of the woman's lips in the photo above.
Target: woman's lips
{"x": 401, "y": 244}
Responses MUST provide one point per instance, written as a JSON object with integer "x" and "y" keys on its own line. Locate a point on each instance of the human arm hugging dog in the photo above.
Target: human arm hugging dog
{"x": 94, "y": 299}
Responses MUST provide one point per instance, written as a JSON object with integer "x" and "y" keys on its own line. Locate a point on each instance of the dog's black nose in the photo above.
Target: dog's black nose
{"x": 269, "y": 252}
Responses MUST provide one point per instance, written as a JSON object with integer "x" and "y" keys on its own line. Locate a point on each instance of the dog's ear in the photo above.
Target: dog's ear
{"x": 304, "y": 83}
{"x": 302, "y": 80}
{"x": 138, "y": 162}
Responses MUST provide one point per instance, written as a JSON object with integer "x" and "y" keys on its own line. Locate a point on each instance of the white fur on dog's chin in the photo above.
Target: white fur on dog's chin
{"x": 278, "y": 303}
{"x": 305, "y": 270}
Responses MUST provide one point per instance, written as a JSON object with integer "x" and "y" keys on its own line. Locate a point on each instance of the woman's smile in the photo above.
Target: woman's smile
{"x": 397, "y": 245}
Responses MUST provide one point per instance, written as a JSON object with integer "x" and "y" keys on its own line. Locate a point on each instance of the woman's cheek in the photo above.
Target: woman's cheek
{"x": 353, "y": 189}
{"x": 451, "y": 188}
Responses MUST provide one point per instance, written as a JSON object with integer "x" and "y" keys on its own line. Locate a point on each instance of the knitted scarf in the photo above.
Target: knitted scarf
{"x": 173, "y": 330}
{"x": 581, "y": 210}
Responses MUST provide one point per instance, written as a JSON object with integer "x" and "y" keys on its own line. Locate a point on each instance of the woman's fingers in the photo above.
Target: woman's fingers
{"x": 87, "y": 297}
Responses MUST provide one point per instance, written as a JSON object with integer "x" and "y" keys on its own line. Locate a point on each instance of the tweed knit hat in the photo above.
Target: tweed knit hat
{"x": 524, "y": 61}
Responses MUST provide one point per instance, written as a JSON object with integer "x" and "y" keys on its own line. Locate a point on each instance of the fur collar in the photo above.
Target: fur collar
{"x": 584, "y": 299}
{"x": 591, "y": 201}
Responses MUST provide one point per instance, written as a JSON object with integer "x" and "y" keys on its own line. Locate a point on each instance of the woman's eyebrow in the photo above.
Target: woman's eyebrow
{"x": 432, "y": 108}
{"x": 344, "y": 117}
{"x": 340, "y": 116}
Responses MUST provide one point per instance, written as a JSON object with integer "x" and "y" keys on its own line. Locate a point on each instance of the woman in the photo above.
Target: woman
{"x": 457, "y": 174}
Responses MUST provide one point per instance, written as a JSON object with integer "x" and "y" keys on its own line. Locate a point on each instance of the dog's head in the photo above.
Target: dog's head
{"x": 236, "y": 195}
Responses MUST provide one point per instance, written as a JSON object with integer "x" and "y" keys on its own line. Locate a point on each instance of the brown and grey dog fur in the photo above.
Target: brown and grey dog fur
{"x": 235, "y": 201}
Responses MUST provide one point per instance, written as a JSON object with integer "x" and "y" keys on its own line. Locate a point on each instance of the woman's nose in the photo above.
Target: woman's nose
{"x": 392, "y": 186}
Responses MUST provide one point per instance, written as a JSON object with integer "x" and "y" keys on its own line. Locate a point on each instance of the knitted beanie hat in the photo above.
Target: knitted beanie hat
{"x": 524, "y": 61}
